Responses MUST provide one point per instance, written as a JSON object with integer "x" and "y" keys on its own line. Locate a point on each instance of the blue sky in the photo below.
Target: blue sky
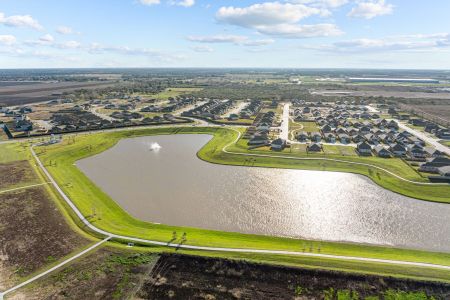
{"x": 225, "y": 33}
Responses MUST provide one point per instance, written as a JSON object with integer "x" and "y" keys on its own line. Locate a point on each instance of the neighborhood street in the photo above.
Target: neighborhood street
{"x": 428, "y": 139}
{"x": 284, "y": 127}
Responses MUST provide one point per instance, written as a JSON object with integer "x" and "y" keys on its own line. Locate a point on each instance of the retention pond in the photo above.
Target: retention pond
{"x": 160, "y": 179}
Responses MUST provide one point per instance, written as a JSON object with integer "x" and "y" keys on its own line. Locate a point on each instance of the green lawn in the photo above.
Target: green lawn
{"x": 113, "y": 218}
{"x": 346, "y": 164}
{"x": 306, "y": 126}
{"x": 13, "y": 151}
{"x": 445, "y": 143}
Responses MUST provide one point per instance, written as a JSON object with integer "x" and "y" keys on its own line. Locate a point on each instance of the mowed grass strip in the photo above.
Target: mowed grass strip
{"x": 60, "y": 160}
{"x": 346, "y": 163}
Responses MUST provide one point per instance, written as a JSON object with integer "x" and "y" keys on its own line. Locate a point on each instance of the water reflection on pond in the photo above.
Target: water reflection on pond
{"x": 171, "y": 185}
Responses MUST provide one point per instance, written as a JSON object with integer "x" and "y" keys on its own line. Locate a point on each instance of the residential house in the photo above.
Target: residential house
{"x": 416, "y": 151}
{"x": 330, "y": 137}
{"x": 381, "y": 151}
{"x": 326, "y": 129}
{"x": 364, "y": 130}
{"x": 444, "y": 171}
{"x": 433, "y": 164}
{"x": 344, "y": 138}
{"x": 302, "y": 136}
{"x": 358, "y": 138}
{"x": 392, "y": 125}
{"x": 432, "y": 152}
{"x": 314, "y": 147}
{"x": 278, "y": 144}
{"x": 397, "y": 149}
{"x": 341, "y": 130}
{"x": 364, "y": 148}
{"x": 316, "y": 137}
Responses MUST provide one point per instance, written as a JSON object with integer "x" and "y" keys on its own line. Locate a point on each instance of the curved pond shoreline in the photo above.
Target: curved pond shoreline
{"x": 246, "y": 197}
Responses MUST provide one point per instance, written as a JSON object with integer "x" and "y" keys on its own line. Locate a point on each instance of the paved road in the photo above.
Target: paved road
{"x": 430, "y": 140}
{"x": 284, "y": 127}
{"x": 221, "y": 249}
{"x": 2, "y": 294}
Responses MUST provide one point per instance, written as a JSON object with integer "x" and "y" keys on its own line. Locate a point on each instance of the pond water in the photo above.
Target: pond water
{"x": 169, "y": 184}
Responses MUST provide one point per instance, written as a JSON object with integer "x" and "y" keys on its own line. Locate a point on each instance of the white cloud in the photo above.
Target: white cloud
{"x": 20, "y": 21}
{"x": 230, "y": 39}
{"x": 202, "y": 49}
{"x": 68, "y": 45}
{"x": 235, "y": 39}
{"x": 264, "y": 14}
{"x": 47, "y": 38}
{"x": 150, "y": 2}
{"x": 371, "y": 9}
{"x": 294, "y": 31}
{"x": 257, "y": 43}
{"x": 322, "y": 3}
{"x": 388, "y": 44}
{"x": 278, "y": 19}
{"x": 64, "y": 30}
{"x": 7, "y": 39}
{"x": 185, "y": 3}
{"x": 96, "y": 48}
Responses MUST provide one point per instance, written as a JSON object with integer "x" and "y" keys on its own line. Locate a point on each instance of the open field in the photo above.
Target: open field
{"x": 296, "y": 127}
{"x": 114, "y": 219}
{"x": 381, "y": 93}
{"x": 18, "y": 173}
{"x": 433, "y": 112}
{"x": 191, "y": 277}
{"x": 173, "y": 92}
{"x": 23, "y": 94}
{"x": 32, "y": 235}
{"x": 108, "y": 273}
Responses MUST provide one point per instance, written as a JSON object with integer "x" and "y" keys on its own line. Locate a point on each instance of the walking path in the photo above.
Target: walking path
{"x": 2, "y": 294}
{"x": 23, "y": 187}
{"x": 222, "y": 249}
{"x": 321, "y": 158}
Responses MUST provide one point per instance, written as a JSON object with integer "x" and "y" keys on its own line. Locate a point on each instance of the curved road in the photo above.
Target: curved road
{"x": 221, "y": 249}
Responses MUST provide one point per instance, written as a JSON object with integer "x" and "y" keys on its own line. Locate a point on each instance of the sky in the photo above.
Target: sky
{"x": 396, "y": 34}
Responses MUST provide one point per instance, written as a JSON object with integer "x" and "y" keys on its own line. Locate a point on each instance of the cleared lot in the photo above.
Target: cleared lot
{"x": 23, "y": 94}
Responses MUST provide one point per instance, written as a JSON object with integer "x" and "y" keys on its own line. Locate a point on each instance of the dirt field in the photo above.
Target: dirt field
{"x": 382, "y": 93}
{"x": 189, "y": 277}
{"x": 33, "y": 234}
{"x": 430, "y": 111}
{"x": 30, "y": 93}
{"x": 105, "y": 274}
{"x": 16, "y": 172}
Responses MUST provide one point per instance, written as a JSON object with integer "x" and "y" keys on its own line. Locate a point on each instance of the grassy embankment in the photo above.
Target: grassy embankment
{"x": 438, "y": 193}
{"x": 109, "y": 216}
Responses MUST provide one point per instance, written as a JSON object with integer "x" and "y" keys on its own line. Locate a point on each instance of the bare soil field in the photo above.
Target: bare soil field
{"x": 15, "y": 172}
{"x": 33, "y": 234}
{"x": 191, "y": 277}
{"x": 106, "y": 274}
{"x": 23, "y": 94}
{"x": 381, "y": 93}
{"x": 441, "y": 111}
